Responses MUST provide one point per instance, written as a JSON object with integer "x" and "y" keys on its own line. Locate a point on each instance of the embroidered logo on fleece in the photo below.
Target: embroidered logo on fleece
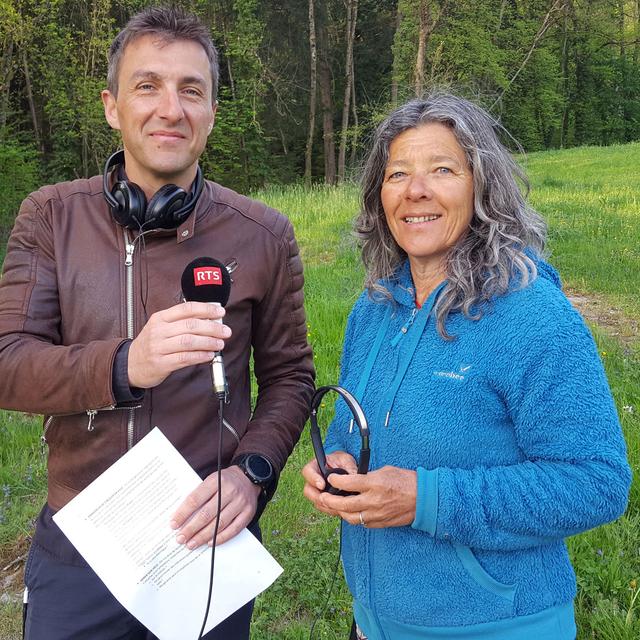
{"x": 454, "y": 375}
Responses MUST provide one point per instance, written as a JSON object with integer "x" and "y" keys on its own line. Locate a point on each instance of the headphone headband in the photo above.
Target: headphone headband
{"x": 316, "y": 438}
{"x": 129, "y": 208}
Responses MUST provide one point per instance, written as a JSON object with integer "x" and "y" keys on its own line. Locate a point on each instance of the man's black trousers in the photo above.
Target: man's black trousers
{"x": 70, "y": 602}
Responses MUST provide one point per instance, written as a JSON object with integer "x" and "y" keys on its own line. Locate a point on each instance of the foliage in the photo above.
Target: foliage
{"x": 18, "y": 177}
{"x": 576, "y": 81}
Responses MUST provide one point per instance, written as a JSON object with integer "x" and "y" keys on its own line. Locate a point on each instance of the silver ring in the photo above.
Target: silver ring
{"x": 362, "y": 522}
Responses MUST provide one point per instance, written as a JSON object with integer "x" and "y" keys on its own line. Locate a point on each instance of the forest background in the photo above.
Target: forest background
{"x": 304, "y": 81}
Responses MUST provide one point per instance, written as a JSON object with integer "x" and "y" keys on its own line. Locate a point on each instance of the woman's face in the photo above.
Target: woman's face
{"x": 427, "y": 194}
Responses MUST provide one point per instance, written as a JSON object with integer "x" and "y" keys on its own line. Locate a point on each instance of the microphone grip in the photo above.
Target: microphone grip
{"x": 218, "y": 376}
{"x": 220, "y": 387}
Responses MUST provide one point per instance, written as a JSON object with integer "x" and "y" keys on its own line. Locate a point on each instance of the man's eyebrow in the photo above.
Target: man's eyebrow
{"x": 144, "y": 74}
{"x": 194, "y": 80}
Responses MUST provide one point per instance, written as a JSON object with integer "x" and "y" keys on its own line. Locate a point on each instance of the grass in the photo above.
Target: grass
{"x": 592, "y": 204}
{"x": 592, "y": 208}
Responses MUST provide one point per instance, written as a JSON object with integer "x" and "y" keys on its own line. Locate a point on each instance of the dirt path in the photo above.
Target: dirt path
{"x": 596, "y": 310}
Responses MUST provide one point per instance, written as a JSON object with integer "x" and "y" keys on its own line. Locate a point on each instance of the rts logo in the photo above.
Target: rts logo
{"x": 207, "y": 275}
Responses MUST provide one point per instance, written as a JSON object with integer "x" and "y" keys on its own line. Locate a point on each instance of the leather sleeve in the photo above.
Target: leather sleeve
{"x": 39, "y": 373}
{"x": 283, "y": 362}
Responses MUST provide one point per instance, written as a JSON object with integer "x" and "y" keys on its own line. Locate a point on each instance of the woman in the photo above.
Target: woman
{"x": 493, "y": 432}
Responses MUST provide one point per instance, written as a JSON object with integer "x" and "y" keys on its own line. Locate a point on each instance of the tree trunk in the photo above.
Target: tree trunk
{"x": 423, "y": 35}
{"x": 352, "y": 15}
{"x": 564, "y": 68}
{"x": 502, "y": 8}
{"x": 621, "y": 4}
{"x": 394, "y": 72}
{"x": 32, "y": 106}
{"x": 5, "y": 83}
{"x": 636, "y": 33}
{"x": 354, "y": 142}
{"x": 547, "y": 22}
{"x": 312, "y": 92}
{"x": 232, "y": 86}
{"x": 326, "y": 102}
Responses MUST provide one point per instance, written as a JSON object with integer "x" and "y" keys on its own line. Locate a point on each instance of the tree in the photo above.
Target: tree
{"x": 326, "y": 97}
{"x": 313, "y": 81}
{"x": 352, "y": 17}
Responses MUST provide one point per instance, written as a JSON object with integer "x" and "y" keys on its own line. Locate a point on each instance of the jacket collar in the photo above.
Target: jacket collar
{"x": 400, "y": 285}
{"x": 188, "y": 228}
{"x": 402, "y": 289}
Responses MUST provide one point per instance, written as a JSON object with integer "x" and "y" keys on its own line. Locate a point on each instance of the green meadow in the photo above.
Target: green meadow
{"x": 590, "y": 199}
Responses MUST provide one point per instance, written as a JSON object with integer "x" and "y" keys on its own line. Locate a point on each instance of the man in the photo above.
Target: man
{"x": 94, "y": 333}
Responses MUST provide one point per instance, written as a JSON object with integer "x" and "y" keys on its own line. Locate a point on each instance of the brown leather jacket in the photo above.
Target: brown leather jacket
{"x": 76, "y": 285}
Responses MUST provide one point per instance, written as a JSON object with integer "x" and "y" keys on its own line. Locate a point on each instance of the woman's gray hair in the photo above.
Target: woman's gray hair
{"x": 505, "y": 235}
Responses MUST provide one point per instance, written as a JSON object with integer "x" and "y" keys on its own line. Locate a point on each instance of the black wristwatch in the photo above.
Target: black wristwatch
{"x": 258, "y": 469}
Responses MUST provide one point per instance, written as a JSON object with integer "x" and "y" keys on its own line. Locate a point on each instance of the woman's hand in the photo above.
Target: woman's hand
{"x": 384, "y": 498}
{"x": 314, "y": 482}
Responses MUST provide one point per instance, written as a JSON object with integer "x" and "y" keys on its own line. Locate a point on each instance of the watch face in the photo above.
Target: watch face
{"x": 259, "y": 467}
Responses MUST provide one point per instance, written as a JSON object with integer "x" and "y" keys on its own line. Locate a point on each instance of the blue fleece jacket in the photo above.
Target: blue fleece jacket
{"x": 514, "y": 435}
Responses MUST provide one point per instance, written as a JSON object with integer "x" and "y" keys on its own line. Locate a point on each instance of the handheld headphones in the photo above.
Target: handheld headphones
{"x": 169, "y": 207}
{"x": 316, "y": 438}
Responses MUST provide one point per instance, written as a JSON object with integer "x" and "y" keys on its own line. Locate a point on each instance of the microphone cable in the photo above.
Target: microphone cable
{"x": 215, "y": 529}
{"x": 333, "y": 580}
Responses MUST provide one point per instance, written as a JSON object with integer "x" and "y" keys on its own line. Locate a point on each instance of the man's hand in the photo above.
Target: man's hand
{"x": 175, "y": 338}
{"x": 195, "y": 517}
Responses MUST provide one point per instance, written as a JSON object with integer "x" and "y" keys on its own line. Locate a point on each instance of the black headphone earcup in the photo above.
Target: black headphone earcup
{"x": 165, "y": 203}
{"x": 132, "y": 204}
{"x": 339, "y": 471}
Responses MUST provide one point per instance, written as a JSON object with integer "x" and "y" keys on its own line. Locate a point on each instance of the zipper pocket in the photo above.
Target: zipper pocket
{"x": 91, "y": 413}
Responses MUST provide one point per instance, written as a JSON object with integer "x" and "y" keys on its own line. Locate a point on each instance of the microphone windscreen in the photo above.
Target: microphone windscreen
{"x": 206, "y": 280}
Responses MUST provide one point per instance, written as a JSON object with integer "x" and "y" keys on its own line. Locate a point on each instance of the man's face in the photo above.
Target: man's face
{"x": 163, "y": 110}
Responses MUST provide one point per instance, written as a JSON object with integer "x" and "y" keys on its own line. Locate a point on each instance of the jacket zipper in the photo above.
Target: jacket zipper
{"x": 128, "y": 262}
{"x": 405, "y": 328}
{"x": 92, "y": 413}
{"x": 394, "y": 343}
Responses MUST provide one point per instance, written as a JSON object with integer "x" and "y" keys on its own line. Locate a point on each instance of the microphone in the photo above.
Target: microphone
{"x": 207, "y": 280}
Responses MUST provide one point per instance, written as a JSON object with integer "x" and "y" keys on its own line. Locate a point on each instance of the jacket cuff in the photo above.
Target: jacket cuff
{"x": 427, "y": 501}
{"x": 122, "y": 392}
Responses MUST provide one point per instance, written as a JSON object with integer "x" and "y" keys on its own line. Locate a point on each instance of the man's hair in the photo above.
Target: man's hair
{"x": 505, "y": 235}
{"x": 168, "y": 24}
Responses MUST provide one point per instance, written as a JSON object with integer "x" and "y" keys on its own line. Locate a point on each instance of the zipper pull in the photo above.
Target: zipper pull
{"x": 405, "y": 327}
{"x": 351, "y": 426}
{"x": 128, "y": 261}
{"x": 43, "y": 438}
{"x": 92, "y": 413}
{"x": 386, "y": 420}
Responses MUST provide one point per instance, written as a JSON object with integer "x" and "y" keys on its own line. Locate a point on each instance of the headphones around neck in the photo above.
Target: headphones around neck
{"x": 169, "y": 207}
{"x": 316, "y": 438}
